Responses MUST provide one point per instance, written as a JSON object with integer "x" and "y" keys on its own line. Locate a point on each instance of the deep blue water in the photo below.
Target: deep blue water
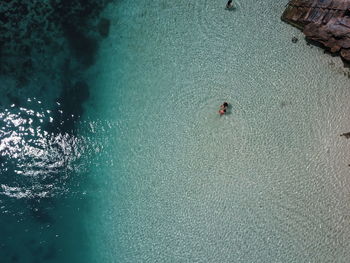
{"x": 45, "y": 49}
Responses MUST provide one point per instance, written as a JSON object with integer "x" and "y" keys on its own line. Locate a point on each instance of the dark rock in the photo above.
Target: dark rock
{"x": 324, "y": 22}
{"x": 103, "y": 27}
{"x": 346, "y": 135}
{"x": 345, "y": 53}
{"x": 83, "y": 46}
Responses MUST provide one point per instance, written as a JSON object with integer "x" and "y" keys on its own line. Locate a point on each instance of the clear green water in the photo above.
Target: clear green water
{"x": 174, "y": 182}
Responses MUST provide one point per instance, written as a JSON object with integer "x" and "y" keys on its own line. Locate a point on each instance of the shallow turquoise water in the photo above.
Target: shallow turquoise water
{"x": 174, "y": 182}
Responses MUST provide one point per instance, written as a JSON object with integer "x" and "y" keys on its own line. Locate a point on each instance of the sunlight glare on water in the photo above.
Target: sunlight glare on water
{"x": 34, "y": 153}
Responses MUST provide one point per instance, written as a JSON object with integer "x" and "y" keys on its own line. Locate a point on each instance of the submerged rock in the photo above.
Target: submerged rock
{"x": 103, "y": 27}
{"x": 346, "y": 135}
{"x": 325, "y": 22}
{"x": 36, "y": 37}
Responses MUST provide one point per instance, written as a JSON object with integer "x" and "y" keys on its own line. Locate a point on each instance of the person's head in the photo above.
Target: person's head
{"x": 225, "y": 104}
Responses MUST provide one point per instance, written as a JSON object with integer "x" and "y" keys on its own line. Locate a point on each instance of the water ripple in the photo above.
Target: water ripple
{"x": 35, "y": 162}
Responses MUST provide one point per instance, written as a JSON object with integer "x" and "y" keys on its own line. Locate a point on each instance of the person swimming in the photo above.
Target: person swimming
{"x": 222, "y": 112}
{"x": 223, "y": 108}
{"x": 224, "y": 105}
{"x": 229, "y": 4}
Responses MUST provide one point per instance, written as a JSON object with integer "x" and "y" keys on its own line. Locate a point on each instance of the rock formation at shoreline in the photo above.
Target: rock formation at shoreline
{"x": 324, "y": 21}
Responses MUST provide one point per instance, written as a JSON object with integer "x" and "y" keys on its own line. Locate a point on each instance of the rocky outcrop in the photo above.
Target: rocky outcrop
{"x": 324, "y": 21}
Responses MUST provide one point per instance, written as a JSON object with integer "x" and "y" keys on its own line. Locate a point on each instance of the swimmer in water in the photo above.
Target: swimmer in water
{"x": 229, "y": 4}
{"x": 223, "y": 108}
{"x": 224, "y": 105}
{"x": 222, "y": 112}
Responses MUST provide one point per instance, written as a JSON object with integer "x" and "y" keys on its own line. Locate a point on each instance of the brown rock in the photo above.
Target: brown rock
{"x": 345, "y": 53}
{"x": 324, "y": 21}
{"x": 346, "y": 135}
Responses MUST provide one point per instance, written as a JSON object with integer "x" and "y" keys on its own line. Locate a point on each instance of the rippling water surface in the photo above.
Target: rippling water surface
{"x": 41, "y": 170}
{"x": 267, "y": 182}
{"x": 34, "y": 153}
{"x": 152, "y": 173}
